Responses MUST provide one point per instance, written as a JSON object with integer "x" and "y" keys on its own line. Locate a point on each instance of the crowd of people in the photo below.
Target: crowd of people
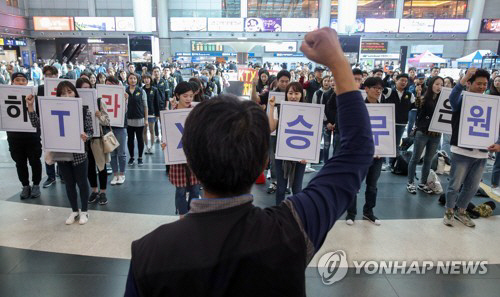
{"x": 163, "y": 87}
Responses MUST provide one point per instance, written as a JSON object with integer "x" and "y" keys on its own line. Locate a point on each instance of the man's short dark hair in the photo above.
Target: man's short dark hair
{"x": 402, "y": 75}
{"x": 365, "y": 72}
{"x": 226, "y": 142}
{"x": 479, "y": 73}
{"x": 412, "y": 68}
{"x": 371, "y": 82}
{"x": 374, "y": 71}
{"x": 51, "y": 69}
{"x": 156, "y": 67}
{"x": 434, "y": 68}
{"x": 112, "y": 80}
{"x": 283, "y": 73}
{"x": 357, "y": 71}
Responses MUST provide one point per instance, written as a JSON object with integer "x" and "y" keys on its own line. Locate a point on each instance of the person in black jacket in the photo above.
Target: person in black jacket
{"x": 137, "y": 117}
{"x": 425, "y": 139}
{"x": 26, "y": 147}
{"x": 154, "y": 99}
{"x": 163, "y": 91}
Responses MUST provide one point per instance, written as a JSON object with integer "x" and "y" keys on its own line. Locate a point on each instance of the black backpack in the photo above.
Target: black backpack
{"x": 400, "y": 164}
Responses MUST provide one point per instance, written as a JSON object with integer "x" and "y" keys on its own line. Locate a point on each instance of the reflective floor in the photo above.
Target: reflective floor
{"x": 41, "y": 256}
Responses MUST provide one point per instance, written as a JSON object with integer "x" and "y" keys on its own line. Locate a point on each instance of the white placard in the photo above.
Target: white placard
{"x": 300, "y": 128}
{"x": 416, "y": 25}
{"x": 299, "y": 24}
{"x": 172, "y": 127}
{"x": 61, "y": 124}
{"x": 13, "y": 109}
{"x": 382, "y": 120}
{"x": 441, "y": 118}
{"x": 50, "y": 85}
{"x": 230, "y": 76}
{"x": 188, "y": 24}
{"x": 278, "y": 96}
{"x": 381, "y": 25}
{"x": 479, "y": 120}
{"x": 114, "y": 98}
{"x": 225, "y": 24}
{"x": 451, "y": 26}
{"x": 89, "y": 99}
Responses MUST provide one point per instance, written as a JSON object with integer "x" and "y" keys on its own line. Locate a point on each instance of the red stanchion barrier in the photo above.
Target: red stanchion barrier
{"x": 261, "y": 179}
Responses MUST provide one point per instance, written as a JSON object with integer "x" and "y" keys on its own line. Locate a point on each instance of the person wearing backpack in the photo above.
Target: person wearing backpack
{"x": 425, "y": 139}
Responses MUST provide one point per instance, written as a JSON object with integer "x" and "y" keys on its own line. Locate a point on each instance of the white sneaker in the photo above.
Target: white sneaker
{"x": 84, "y": 218}
{"x": 72, "y": 218}
{"x": 309, "y": 168}
{"x": 496, "y": 191}
{"x": 349, "y": 222}
{"x": 114, "y": 180}
{"x": 121, "y": 180}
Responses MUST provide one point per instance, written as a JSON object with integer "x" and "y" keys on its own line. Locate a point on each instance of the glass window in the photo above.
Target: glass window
{"x": 283, "y": 8}
{"x": 204, "y": 8}
{"x": 370, "y": 9}
{"x": 430, "y": 9}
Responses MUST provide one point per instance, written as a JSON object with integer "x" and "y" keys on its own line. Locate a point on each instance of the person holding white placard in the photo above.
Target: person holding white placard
{"x": 137, "y": 117}
{"x": 25, "y": 147}
{"x": 74, "y": 172}
{"x": 373, "y": 87}
{"x": 118, "y": 156}
{"x": 180, "y": 175}
{"x": 425, "y": 139}
{"x": 97, "y": 157}
{"x": 467, "y": 164}
{"x": 287, "y": 171}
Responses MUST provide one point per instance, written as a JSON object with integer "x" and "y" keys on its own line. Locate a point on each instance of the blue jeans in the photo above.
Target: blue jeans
{"x": 412, "y": 117}
{"x": 467, "y": 171}
{"x": 118, "y": 156}
{"x": 430, "y": 143}
{"x": 181, "y": 204}
{"x": 371, "y": 189}
{"x": 282, "y": 180}
{"x": 446, "y": 144}
{"x": 327, "y": 140}
{"x": 495, "y": 174}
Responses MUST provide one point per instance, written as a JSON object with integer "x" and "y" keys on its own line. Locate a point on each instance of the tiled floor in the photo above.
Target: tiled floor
{"x": 40, "y": 256}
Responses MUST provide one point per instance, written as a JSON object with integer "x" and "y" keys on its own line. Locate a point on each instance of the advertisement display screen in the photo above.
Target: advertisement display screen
{"x": 141, "y": 56}
{"x": 188, "y": 24}
{"x": 416, "y": 25}
{"x": 451, "y": 26}
{"x": 299, "y": 24}
{"x": 381, "y": 25}
{"x": 360, "y": 25}
{"x": 95, "y": 23}
{"x": 53, "y": 23}
{"x": 490, "y": 26}
{"x": 262, "y": 25}
{"x": 127, "y": 24}
{"x": 225, "y": 24}
{"x": 283, "y": 47}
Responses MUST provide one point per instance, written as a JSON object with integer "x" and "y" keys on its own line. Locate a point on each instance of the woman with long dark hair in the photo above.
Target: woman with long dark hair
{"x": 137, "y": 117}
{"x": 74, "y": 168}
{"x": 425, "y": 139}
{"x": 287, "y": 171}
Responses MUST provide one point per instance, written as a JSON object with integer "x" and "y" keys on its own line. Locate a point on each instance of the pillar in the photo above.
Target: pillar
{"x": 243, "y": 8}
{"x": 400, "y": 5}
{"x": 91, "y": 5}
{"x": 475, "y": 14}
{"x": 142, "y": 15}
{"x": 347, "y": 16}
{"x": 325, "y": 11}
{"x": 163, "y": 30}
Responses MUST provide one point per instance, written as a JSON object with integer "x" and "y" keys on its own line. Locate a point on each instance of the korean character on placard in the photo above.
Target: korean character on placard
{"x": 112, "y": 104}
{"x": 445, "y": 111}
{"x": 299, "y": 135}
{"x": 379, "y": 128}
{"x": 481, "y": 118}
{"x": 16, "y": 106}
